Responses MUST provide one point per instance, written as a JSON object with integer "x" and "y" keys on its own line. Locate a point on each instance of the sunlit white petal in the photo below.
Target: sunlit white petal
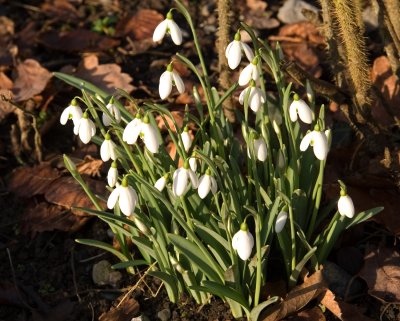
{"x": 186, "y": 140}
{"x": 178, "y": 82}
{"x": 204, "y": 186}
{"x": 234, "y": 55}
{"x": 160, "y": 183}
{"x": 132, "y": 131}
{"x": 175, "y": 31}
{"x": 247, "y": 51}
{"x": 160, "y": 31}
{"x": 320, "y": 145}
{"x": 180, "y": 181}
{"x": 280, "y": 221}
{"x": 150, "y": 137}
{"x": 243, "y": 243}
{"x": 305, "y": 142}
{"x": 346, "y": 206}
{"x": 113, "y": 198}
{"x": 112, "y": 176}
{"x": 165, "y": 86}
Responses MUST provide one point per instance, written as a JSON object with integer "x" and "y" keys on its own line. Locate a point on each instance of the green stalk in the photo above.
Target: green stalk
{"x": 187, "y": 214}
{"x": 293, "y": 237}
{"x": 129, "y": 153}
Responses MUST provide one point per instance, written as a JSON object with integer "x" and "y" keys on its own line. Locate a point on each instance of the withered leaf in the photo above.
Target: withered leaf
{"x": 178, "y": 117}
{"x": 90, "y": 166}
{"x": 49, "y": 217}
{"x": 5, "y": 107}
{"x": 126, "y": 311}
{"x": 381, "y": 271}
{"x": 78, "y": 40}
{"x": 296, "y": 299}
{"x": 256, "y": 5}
{"x": 106, "y": 76}
{"x": 313, "y": 314}
{"x": 60, "y": 9}
{"x": 29, "y": 181}
{"x": 139, "y": 26}
{"x": 67, "y": 192}
{"x": 31, "y": 80}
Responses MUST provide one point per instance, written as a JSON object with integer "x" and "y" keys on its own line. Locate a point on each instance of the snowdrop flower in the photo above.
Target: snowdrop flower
{"x": 112, "y": 175}
{"x": 193, "y": 163}
{"x": 249, "y": 72}
{"x": 107, "y": 149}
{"x": 85, "y": 128}
{"x": 161, "y": 182}
{"x": 141, "y": 226}
{"x": 207, "y": 183}
{"x": 280, "y": 221}
{"x": 114, "y": 111}
{"x": 73, "y": 111}
{"x": 299, "y": 106}
{"x": 133, "y": 130}
{"x": 186, "y": 139}
{"x": 126, "y": 197}
{"x": 243, "y": 242}
{"x": 318, "y": 141}
{"x": 260, "y": 148}
{"x": 149, "y": 135}
{"x": 168, "y": 26}
{"x": 168, "y": 78}
{"x": 255, "y": 96}
{"x": 234, "y": 52}
{"x": 182, "y": 176}
{"x": 345, "y": 204}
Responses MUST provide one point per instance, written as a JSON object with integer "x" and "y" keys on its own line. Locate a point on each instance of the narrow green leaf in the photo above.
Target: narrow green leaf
{"x": 363, "y": 216}
{"x": 255, "y": 312}
{"x": 104, "y": 246}
{"x": 124, "y": 265}
{"x": 299, "y": 267}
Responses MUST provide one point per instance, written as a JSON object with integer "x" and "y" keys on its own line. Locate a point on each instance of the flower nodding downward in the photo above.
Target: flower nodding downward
{"x": 243, "y": 242}
{"x": 300, "y": 107}
{"x": 169, "y": 78}
{"x": 234, "y": 52}
{"x": 168, "y": 26}
{"x": 126, "y": 197}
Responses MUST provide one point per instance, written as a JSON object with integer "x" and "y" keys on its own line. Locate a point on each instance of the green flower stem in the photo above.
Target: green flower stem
{"x": 187, "y": 214}
{"x": 93, "y": 112}
{"x": 316, "y": 199}
{"x": 259, "y": 259}
{"x": 145, "y": 163}
{"x": 293, "y": 238}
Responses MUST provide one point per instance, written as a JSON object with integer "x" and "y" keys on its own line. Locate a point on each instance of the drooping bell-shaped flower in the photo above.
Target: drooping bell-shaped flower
{"x": 126, "y": 197}
{"x": 255, "y": 95}
{"x": 260, "y": 148}
{"x": 280, "y": 221}
{"x": 85, "y": 128}
{"x": 107, "y": 149}
{"x": 161, "y": 182}
{"x": 114, "y": 111}
{"x": 318, "y": 140}
{"x": 243, "y": 242}
{"x": 186, "y": 139}
{"x": 181, "y": 179}
{"x": 193, "y": 163}
{"x": 169, "y": 78}
{"x": 249, "y": 72}
{"x": 112, "y": 174}
{"x": 149, "y": 134}
{"x": 207, "y": 183}
{"x": 345, "y": 204}
{"x": 133, "y": 130}
{"x": 168, "y": 26}
{"x": 234, "y": 50}
{"x": 73, "y": 111}
{"x": 300, "y": 107}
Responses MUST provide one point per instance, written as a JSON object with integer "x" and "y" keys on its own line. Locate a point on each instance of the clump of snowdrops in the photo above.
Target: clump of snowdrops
{"x": 205, "y": 221}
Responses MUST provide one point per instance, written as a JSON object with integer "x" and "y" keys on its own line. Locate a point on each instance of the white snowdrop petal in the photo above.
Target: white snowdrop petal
{"x": 214, "y": 185}
{"x": 234, "y": 54}
{"x": 293, "y": 112}
{"x": 204, "y": 186}
{"x": 160, "y": 183}
{"x": 255, "y": 75}
{"x": 180, "y": 181}
{"x": 235, "y": 241}
{"x": 260, "y": 149}
{"x": 165, "y": 86}
{"x": 160, "y": 31}
{"x": 346, "y": 206}
{"x": 245, "y": 243}
{"x": 76, "y": 128}
{"x": 247, "y": 51}
{"x": 112, "y": 176}
{"x": 92, "y": 128}
{"x": 305, "y": 142}
{"x": 127, "y": 200}
{"x": 76, "y": 113}
{"x": 280, "y": 221}
{"x": 228, "y": 48}
{"x": 304, "y": 111}
{"x": 85, "y": 131}
{"x": 105, "y": 151}
{"x": 186, "y": 140}
{"x": 193, "y": 178}
{"x": 116, "y": 113}
{"x": 175, "y": 31}
{"x": 65, "y": 116}
{"x": 254, "y": 100}
{"x": 132, "y": 131}
{"x": 178, "y": 82}
{"x": 150, "y": 138}
{"x": 243, "y": 95}
{"x": 112, "y": 199}
{"x": 193, "y": 163}
{"x": 320, "y": 146}
{"x": 106, "y": 119}
{"x": 246, "y": 75}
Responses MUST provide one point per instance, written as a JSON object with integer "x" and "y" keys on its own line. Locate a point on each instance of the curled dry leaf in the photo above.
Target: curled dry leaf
{"x": 62, "y": 10}
{"x": 106, "y": 76}
{"x": 67, "y": 192}
{"x": 381, "y": 271}
{"x": 296, "y": 299}
{"x": 77, "y": 40}
{"x": 5, "y": 107}
{"x": 126, "y": 310}
{"x": 44, "y": 217}
{"x": 30, "y": 181}
{"x": 90, "y": 166}
{"x": 31, "y": 80}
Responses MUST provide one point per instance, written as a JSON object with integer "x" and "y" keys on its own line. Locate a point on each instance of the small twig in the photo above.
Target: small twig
{"x": 93, "y": 257}
{"x": 74, "y": 276}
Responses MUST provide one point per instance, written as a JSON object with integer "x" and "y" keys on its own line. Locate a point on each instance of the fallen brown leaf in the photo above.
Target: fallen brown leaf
{"x": 313, "y": 314}
{"x": 342, "y": 310}
{"x": 296, "y": 299}
{"x": 126, "y": 311}
{"x": 90, "y": 166}
{"x": 29, "y": 181}
{"x": 256, "y": 5}
{"x": 106, "y": 76}
{"x": 67, "y": 192}
{"x": 381, "y": 271}
{"x": 139, "y": 26}
{"x": 31, "y": 80}
{"x": 44, "y": 217}
{"x": 62, "y": 10}
{"x": 80, "y": 40}
{"x": 178, "y": 117}
{"x": 5, "y": 107}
